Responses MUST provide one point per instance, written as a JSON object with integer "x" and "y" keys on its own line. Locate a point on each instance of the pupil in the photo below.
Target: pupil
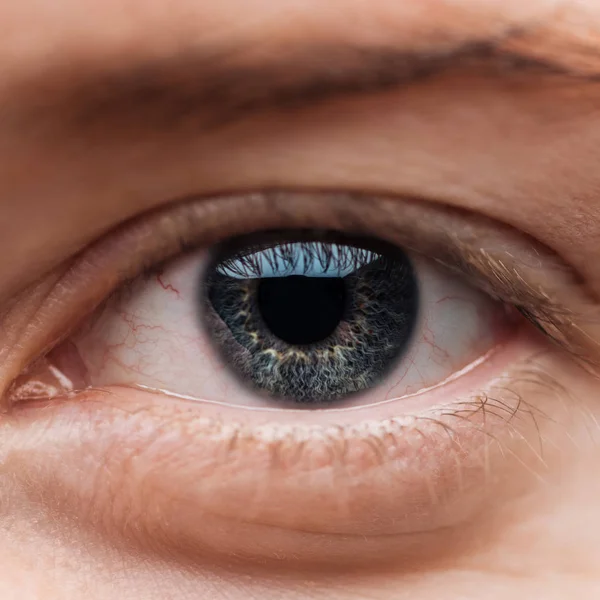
{"x": 302, "y": 310}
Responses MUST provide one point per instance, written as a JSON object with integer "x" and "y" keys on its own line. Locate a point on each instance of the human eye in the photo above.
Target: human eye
{"x": 319, "y": 376}
{"x": 302, "y": 319}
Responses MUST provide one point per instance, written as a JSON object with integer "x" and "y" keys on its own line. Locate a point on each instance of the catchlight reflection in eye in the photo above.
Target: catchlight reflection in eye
{"x": 291, "y": 318}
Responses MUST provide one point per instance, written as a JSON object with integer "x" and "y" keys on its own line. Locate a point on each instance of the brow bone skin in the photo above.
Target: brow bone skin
{"x": 214, "y": 87}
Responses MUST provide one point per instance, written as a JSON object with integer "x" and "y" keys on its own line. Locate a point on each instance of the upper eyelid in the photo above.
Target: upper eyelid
{"x": 509, "y": 266}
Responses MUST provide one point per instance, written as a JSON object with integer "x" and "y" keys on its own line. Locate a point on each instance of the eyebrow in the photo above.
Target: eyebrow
{"x": 213, "y": 89}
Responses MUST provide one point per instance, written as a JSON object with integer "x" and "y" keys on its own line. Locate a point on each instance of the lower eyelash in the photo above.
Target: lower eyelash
{"x": 501, "y": 406}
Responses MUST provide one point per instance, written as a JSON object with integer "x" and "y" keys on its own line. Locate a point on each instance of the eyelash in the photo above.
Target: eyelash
{"x": 287, "y": 255}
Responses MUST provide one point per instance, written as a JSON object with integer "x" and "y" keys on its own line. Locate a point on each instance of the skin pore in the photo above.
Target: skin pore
{"x": 491, "y": 116}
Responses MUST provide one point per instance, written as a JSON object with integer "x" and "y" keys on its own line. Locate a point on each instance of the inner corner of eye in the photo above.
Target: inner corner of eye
{"x": 304, "y": 319}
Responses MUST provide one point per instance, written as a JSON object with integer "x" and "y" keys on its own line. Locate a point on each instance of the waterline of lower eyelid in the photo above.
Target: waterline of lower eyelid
{"x": 45, "y": 380}
{"x": 290, "y": 411}
{"x": 267, "y": 423}
{"x": 48, "y": 382}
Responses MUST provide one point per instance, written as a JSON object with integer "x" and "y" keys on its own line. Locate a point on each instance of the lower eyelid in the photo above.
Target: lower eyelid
{"x": 159, "y": 463}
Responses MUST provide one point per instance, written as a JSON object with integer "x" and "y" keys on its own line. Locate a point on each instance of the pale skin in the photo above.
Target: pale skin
{"x": 521, "y": 147}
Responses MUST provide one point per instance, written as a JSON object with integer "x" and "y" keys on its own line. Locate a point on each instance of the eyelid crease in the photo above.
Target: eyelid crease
{"x": 509, "y": 266}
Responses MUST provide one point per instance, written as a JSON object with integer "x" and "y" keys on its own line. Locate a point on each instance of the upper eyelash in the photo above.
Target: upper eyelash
{"x": 298, "y": 256}
{"x": 487, "y": 272}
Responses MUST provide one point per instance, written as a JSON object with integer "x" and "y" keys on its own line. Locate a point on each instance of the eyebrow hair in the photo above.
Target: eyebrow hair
{"x": 214, "y": 89}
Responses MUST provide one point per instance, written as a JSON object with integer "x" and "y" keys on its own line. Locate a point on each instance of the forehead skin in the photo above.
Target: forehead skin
{"x": 141, "y": 25}
{"x": 509, "y": 150}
